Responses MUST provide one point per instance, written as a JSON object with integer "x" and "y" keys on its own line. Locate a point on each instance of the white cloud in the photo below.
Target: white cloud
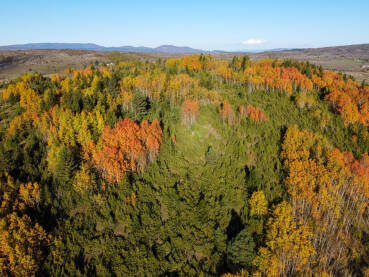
{"x": 252, "y": 41}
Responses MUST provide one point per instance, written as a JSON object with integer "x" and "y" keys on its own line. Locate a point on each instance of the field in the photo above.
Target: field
{"x": 16, "y": 63}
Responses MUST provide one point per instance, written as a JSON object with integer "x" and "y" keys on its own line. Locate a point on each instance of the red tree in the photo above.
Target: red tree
{"x": 127, "y": 147}
{"x": 253, "y": 112}
{"x": 227, "y": 113}
{"x": 189, "y": 112}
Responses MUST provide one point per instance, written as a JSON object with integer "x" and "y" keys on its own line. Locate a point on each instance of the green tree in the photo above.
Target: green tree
{"x": 240, "y": 251}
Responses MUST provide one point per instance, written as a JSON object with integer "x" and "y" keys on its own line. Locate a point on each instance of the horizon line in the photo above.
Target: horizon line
{"x": 173, "y": 45}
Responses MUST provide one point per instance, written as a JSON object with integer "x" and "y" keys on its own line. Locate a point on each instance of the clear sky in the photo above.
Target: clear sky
{"x": 227, "y": 25}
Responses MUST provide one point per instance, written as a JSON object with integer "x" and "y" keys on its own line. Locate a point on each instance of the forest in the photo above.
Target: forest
{"x": 190, "y": 166}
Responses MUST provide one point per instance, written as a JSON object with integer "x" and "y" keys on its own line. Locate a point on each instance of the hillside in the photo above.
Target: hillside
{"x": 350, "y": 60}
{"x": 185, "y": 166}
{"x": 16, "y": 63}
{"x": 360, "y": 51}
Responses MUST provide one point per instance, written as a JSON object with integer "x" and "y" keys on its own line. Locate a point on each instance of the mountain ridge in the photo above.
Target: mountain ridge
{"x": 95, "y": 47}
{"x": 173, "y": 49}
{"x": 164, "y": 48}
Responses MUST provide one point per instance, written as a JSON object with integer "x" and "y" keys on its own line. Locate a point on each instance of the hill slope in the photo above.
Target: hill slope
{"x": 351, "y": 60}
{"x": 192, "y": 166}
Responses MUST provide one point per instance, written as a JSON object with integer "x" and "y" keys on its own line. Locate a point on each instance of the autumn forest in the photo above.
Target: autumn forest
{"x": 190, "y": 166}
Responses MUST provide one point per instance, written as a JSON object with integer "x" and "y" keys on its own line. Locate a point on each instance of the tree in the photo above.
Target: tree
{"x": 227, "y": 113}
{"x": 328, "y": 192}
{"x": 258, "y": 204}
{"x": 189, "y": 112}
{"x": 65, "y": 166}
{"x": 140, "y": 105}
{"x": 240, "y": 251}
{"x": 254, "y": 113}
{"x": 127, "y": 147}
{"x": 84, "y": 179}
{"x": 244, "y": 62}
{"x": 288, "y": 246}
{"x": 23, "y": 242}
{"x": 30, "y": 194}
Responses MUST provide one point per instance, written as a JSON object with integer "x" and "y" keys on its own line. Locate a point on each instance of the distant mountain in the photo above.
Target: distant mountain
{"x": 58, "y": 46}
{"x": 128, "y": 48}
{"x": 356, "y": 51}
{"x": 177, "y": 49}
{"x": 267, "y": 50}
{"x": 94, "y": 47}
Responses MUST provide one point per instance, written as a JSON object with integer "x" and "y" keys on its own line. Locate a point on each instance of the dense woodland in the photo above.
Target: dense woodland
{"x": 194, "y": 166}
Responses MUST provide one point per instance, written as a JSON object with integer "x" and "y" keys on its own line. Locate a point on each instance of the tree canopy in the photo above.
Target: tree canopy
{"x": 192, "y": 166}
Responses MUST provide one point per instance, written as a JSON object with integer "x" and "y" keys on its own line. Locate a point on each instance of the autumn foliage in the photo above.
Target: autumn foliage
{"x": 236, "y": 193}
{"x": 345, "y": 95}
{"x": 253, "y": 113}
{"x": 189, "y": 112}
{"x": 22, "y": 240}
{"x": 258, "y": 204}
{"x": 227, "y": 113}
{"x": 128, "y": 147}
{"x": 288, "y": 246}
{"x": 272, "y": 75}
{"x": 330, "y": 193}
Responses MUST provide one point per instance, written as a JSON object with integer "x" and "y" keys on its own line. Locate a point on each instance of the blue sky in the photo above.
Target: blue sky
{"x": 227, "y": 25}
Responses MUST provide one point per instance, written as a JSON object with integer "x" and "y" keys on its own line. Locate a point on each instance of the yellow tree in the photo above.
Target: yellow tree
{"x": 30, "y": 193}
{"x": 288, "y": 247}
{"x": 84, "y": 179}
{"x": 22, "y": 241}
{"x": 258, "y": 204}
{"x": 329, "y": 193}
